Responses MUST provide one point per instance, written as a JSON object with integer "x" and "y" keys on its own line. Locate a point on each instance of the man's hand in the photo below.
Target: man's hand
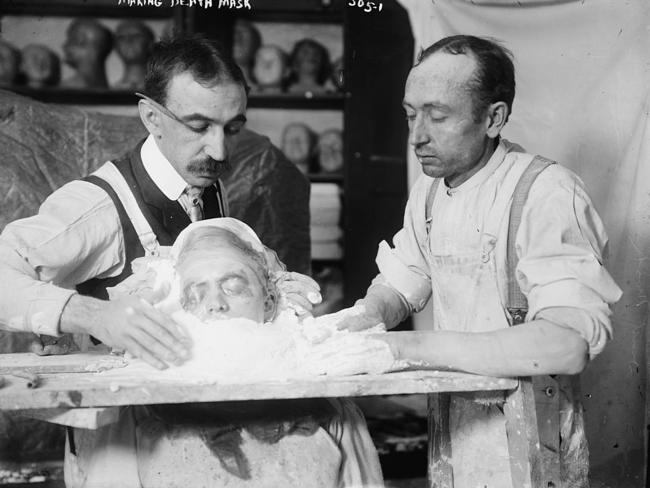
{"x": 298, "y": 291}
{"x": 131, "y": 324}
{"x": 350, "y": 354}
{"x": 45, "y": 345}
{"x": 364, "y": 315}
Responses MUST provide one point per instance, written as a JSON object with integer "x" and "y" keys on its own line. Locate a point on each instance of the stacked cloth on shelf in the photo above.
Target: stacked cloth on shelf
{"x": 325, "y": 230}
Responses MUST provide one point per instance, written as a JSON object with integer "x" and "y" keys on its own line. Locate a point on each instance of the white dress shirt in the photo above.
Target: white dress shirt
{"x": 75, "y": 236}
{"x": 560, "y": 244}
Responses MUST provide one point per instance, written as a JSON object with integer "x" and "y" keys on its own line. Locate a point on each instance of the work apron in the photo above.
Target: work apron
{"x": 146, "y": 450}
{"x": 466, "y": 298}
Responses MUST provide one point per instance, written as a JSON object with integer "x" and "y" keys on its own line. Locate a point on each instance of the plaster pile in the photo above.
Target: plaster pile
{"x": 243, "y": 351}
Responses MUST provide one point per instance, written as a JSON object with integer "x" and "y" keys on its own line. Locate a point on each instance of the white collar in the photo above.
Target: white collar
{"x": 161, "y": 171}
{"x": 499, "y": 154}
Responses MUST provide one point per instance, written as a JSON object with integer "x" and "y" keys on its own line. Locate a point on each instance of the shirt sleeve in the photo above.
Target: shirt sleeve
{"x": 75, "y": 236}
{"x": 405, "y": 267}
{"x": 560, "y": 244}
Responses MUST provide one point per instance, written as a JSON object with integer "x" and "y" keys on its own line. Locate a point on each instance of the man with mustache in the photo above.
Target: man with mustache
{"x": 56, "y": 266}
{"x": 458, "y": 249}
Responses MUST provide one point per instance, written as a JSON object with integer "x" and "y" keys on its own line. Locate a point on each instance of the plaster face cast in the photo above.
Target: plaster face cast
{"x": 270, "y": 69}
{"x": 310, "y": 65}
{"x": 40, "y": 65}
{"x": 133, "y": 42}
{"x": 298, "y": 145}
{"x": 220, "y": 284}
{"x": 337, "y": 76}
{"x": 9, "y": 63}
{"x": 86, "y": 48}
{"x": 330, "y": 151}
{"x": 246, "y": 42}
{"x": 222, "y": 277}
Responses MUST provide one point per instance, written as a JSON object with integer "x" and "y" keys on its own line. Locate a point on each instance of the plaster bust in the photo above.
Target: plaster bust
{"x": 9, "y": 63}
{"x": 222, "y": 277}
{"x": 337, "y": 75}
{"x": 310, "y": 65}
{"x": 86, "y": 48}
{"x": 330, "y": 151}
{"x": 298, "y": 145}
{"x": 133, "y": 43}
{"x": 40, "y": 65}
{"x": 246, "y": 41}
{"x": 271, "y": 69}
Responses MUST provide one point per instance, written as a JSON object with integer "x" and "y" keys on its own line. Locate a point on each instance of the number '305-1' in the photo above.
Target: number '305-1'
{"x": 366, "y": 6}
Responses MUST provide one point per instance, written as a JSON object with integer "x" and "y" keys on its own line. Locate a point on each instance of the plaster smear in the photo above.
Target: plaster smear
{"x": 243, "y": 351}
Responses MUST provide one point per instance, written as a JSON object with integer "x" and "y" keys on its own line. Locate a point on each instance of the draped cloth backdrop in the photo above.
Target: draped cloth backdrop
{"x": 583, "y": 85}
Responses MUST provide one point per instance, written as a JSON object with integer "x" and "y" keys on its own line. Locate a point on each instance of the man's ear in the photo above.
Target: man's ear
{"x": 270, "y": 304}
{"x": 150, "y": 118}
{"x": 497, "y": 116}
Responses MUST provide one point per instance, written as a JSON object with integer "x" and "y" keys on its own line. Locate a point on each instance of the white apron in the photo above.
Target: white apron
{"x": 466, "y": 298}
{"x": 144, "y": 451}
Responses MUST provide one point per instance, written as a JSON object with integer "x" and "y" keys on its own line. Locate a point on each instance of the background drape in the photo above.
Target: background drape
{"x": 583, "y": 84}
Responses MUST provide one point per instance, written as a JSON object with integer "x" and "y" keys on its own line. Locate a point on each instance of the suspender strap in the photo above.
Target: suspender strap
{"x": 431, "y": 195}
{"x": 517, "y": 303}
{"x": 109, "y": 173}
{"x": 97, "y": 287}
{"x": 545, "y": 389}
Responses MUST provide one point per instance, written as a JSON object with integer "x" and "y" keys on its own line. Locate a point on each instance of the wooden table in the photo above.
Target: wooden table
{"x": 92, "y": 399}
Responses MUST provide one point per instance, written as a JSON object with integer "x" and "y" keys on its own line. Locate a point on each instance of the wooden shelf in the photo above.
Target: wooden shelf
{"x": 92, "y": 8}
{"x": 329, "y": 101}
{"x": 326, "y": 101}
{"x": 78, "y": 96}
{"x": 325, "y": 177}
{"x": 327, "y": 262}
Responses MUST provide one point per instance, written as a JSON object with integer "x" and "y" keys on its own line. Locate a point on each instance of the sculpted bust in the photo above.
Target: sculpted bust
{"x": 86, "y": 48}
{"x": 133, "y": 42}
{"x": 298, "y": 143}
{"x": 246, "y": 41}
{"x": 310, "y": 65}
{"x": 9, "y": 63}
{"x": 330, "y": 151}
{"x": 271, "y": 69}
{"x": 40, "y": 65}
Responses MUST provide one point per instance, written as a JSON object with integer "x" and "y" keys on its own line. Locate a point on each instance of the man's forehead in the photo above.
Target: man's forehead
{"x": 185, "y": 92}
{"x": 439, "y": 71}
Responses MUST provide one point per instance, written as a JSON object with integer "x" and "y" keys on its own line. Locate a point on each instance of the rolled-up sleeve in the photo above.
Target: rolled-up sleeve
{"x": 74, "y": 237}
{"x": 560, "y": 244}
{"x": 404, "y": 267}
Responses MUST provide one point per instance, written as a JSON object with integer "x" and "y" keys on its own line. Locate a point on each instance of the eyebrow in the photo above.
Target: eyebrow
{"x": 199, "y": 117}
{"x": 428, "y": 105}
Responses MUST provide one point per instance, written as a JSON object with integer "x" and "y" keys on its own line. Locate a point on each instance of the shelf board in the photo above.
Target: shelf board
{"x": 78, "y": 96}
{"x": 72, "y": 8}
{"x": 329, "y": 101}
{"x": 327, "y": 262}
{"x": 325, "y": 177}
{"x": 326, "y": 101}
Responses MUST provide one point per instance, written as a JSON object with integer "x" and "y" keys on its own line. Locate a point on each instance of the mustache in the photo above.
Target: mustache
{"x": 208, "y": 165}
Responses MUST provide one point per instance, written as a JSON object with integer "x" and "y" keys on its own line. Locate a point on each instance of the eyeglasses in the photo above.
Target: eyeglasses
{"x": 231, "y": 128}
{"x": 166, "y": 111}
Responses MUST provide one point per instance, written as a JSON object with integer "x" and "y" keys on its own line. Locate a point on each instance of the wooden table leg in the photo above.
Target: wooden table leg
{"x": 440, "y": 471}
{"x": 523, "y": 437}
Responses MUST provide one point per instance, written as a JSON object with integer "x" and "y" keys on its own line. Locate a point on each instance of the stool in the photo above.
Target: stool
{"x": 534, "y": 398}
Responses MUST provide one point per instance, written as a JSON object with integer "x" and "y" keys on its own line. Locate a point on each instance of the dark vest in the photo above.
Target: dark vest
{"x": 166, "y": 217}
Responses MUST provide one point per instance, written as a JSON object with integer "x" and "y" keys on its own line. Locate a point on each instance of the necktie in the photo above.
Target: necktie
{"x": 194, "y": 207}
